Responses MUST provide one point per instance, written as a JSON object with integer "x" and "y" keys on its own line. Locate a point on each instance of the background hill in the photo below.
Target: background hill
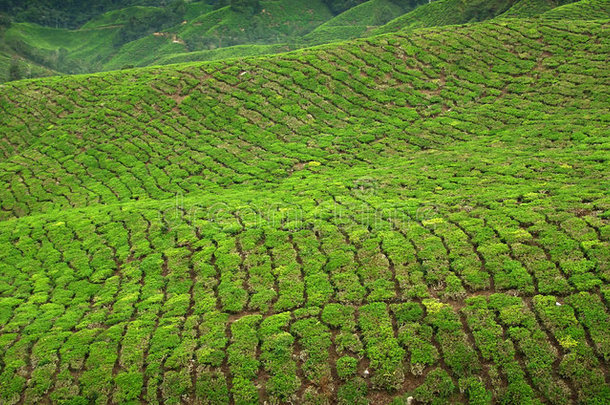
{"x": 417, "y": 215}
{"x": 358, "y": 20}
{"x": 123, "y": 33}
{"x": 583, "y": 10}
{"x": 446, "y": 12}
{"x": 109, "y": 35}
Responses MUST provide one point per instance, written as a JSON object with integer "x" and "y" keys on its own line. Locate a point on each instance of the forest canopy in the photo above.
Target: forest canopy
{"x": 74, "y": 13}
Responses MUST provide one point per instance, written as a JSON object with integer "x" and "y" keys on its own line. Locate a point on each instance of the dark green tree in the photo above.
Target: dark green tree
{"x": 246, "y": 6}
{"x": 14, "y": 71}
{"x": 177, "y": 9}
{"x": 479, "y": 10}
{"x": 5, "y": 21}
{"x": 339, "y": 6}
{"x": 410, "y": 4}
{"x": 168, "y": 16}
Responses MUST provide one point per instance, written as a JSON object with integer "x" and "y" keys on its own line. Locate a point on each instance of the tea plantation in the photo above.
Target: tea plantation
{"x": 417, "y": 217}
{"x": 37, "y": 41}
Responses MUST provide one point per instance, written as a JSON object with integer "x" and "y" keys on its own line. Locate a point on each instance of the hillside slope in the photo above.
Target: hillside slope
{"x": 77, "y": 51}
{"x": 145, "y": 35}
{"x": 558, "y": 9}
{"x": 121, "y": 39}
{"x": 14, "y": 66}
{"x": 418, "y": 214}
{"x": 528, "y": 8}
{"x": 582, "y": 10}
{"x": 277, "y": 23}
{"x": 446, "y": 12}
{"x": 21, "y": 68}
{"x": 356, "y": 21}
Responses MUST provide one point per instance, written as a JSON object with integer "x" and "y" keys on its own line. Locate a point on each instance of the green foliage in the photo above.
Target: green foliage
{"x": 66, "y": 14}
{"x": 446, "y": 12}
{"x": 346, "y": 367}
{"x": 357, "y": 20}
{"x": 142, "y": 24}
{"x": 381, "y": 347}
{"x": 580, "y": 10}
{"x": 14, "y": 72}
{"x": 528, "y": 8}
{"x": 402, "y": 218}
{"x": 245, "y": 6}
{"x": 5, "y": 21}
{"x": 436, "y": 389}
{"x": 353, "y": 392}
{"x": 339, "y": 6}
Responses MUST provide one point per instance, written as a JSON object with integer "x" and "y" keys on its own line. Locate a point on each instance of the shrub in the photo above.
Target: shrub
{"x": 346, "y": 367}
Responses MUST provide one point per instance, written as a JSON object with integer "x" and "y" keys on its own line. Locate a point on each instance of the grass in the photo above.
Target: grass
{"x": 421, "y": 214}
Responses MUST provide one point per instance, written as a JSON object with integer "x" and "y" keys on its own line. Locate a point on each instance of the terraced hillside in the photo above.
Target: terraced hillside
{"x": 583, "y": 10}
{"x": 147, "y": 35}
{"x": 139, "y": 36}
{"x": 529, "y": 8}
{"x": 356, "y": 21}
{"x": 421, "y": 214}
{"x": 446, "y": 12}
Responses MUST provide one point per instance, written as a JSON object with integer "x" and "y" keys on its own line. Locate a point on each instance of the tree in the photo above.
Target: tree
{"x": 5, "y": 21}
{"x": 177, "y": 9}
{"x": 138, "y": 27}
{"x": 339, "y": 6}
{"x": 14, "y": 71}
{"x": 410, "y": 4}
{"x": 246, "y": 6}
